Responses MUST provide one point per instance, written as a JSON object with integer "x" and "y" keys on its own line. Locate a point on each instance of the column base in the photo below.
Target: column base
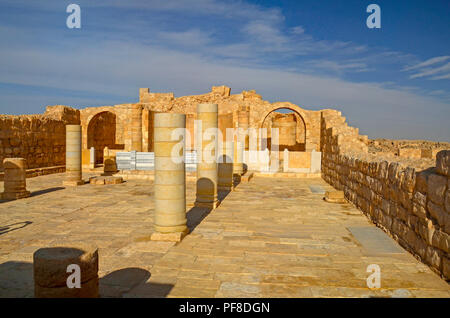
{"x": 73, "y": 183}
{"x": 208, "y": 205}
{"x": 225, "y": 188}
{"x": 108, "y": 173}
{"x": 169, "y": 237}
{"x": 246, "y": 177}
{"x": 14, "y": 195}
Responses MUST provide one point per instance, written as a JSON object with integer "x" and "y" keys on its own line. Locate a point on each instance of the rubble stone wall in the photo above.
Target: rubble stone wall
{"x": 40, "y": 139}
{"x": 409, "y": 199}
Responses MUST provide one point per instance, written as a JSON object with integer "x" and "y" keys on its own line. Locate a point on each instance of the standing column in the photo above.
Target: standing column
{"x": 92, "y": 158}
{"x": 73, "y": 156}
{"x": 170, "y": 178}
{"x": 225, "y": 182}
{"x": 207, "y": 169}
{"x": 136, "y": 127}
{"x": 238, "y": 162}
{"x": 15, "y": 186}
{"x": 243, "y": 122}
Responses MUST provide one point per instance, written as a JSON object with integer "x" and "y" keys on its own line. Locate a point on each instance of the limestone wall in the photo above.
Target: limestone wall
{"x": 40, "y": 139}
{"x": 408, "y": 198}
{"x": 259, "y": 109}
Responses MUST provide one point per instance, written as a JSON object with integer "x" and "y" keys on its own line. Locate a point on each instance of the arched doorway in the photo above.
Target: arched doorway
{"x": 291, "y": 126}
{"x": 101, "y": 133}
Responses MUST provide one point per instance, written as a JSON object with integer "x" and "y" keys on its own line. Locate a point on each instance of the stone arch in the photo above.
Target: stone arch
{"x": 302, "y": 122}
{"x": 101, "y": 132}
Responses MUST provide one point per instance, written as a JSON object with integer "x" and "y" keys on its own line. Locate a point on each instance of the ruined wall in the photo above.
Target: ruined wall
{"x": 259, "y": 109}
{"x": 408, "y": 148}
{"x": 40, "y": 139}
{"x": 406, "y": 197}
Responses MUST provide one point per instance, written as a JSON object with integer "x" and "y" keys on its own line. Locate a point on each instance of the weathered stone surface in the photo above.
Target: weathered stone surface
{"x": 335, "y": 197}
{"x": 287, "y": 242}
{"x": 50, "y": 264}
{"x": 89, "y": 289}
{"x": 105, "y": 180}
{"x": 441, "y": 240}
{"x": 437, "y": 185}
{"x": 443, "y": 163}
{"x": 40, "y": 139}
{"x": 447, "y": 199}
{"x": 446, "y": 266}
{"x": 439, "y": 214}
{"x": 169, "y": 237}
{"x": 15, "y": 179}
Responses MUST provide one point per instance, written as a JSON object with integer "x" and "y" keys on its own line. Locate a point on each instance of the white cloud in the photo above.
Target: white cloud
{"x": 430, "y": 68}
{"x": 298, "y": 30}
{"x": 431, "y": 71}
{"x": 428, "y": 62}
{"x": 439, "y": 77}
{"x": 193, "y": 37}
{"x": 107, "y": 69}
{"x": 254, "y": 58}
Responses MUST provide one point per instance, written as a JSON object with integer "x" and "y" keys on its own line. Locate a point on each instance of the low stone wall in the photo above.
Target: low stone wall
{"x": 410, "y": 203}
{"x": 40, "y": 139}
{"x": 31, "y": 173}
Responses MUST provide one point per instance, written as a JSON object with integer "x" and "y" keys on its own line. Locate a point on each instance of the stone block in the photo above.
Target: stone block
{"x": 446, "y": 268}
{"x": 88, "y": 289}
{"x": 422, "y": 180}
{"x": 433, "y": 257}
{"x": 440, "y": 215}
{"x": 437, "y": 185}
{"x": 335, "y": 197}
{"x": 443, "y": 163}
{"x": 50, "y": 270}
{"x": 447, "y": 199}
{"x": 441, "y": 240}
{"x": 169, "y": 237}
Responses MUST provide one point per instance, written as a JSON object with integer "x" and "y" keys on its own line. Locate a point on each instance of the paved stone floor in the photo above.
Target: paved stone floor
{"x": 271, "y": 237}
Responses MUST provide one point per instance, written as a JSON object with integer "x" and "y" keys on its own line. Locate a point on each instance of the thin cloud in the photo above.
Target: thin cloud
{"x": 445, "y": 76}
{"x": 431, "y": 71}
{"x": 428, "y": 62}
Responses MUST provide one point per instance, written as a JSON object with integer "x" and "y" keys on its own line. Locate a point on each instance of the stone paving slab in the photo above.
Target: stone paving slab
{"x": 268, "y": 238}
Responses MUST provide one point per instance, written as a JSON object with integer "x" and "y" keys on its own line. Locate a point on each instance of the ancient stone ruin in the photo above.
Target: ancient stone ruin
{"x": 403, "y": 187}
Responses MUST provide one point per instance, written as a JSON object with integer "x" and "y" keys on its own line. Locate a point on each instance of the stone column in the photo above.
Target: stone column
{"x": 136, "y": 127}
{"x": 170, "y": 179}
{"x": 243, "y": 123}
{"x": 92, "y": 158}
{"x": 207, "y": 168}
{"x": 238, "y": 162}
{"x": 73, "y": 156}
{"x": 54, "y": 271}
{"x": 225, "y": 181}
{"x": 15, "y": 186}
{"x": 109, "y": 163}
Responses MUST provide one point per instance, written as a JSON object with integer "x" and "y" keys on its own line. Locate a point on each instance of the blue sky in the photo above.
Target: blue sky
{"x": 392, "y": 82}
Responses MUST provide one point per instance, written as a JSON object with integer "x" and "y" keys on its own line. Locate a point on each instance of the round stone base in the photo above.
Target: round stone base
{"x": 87, "y": 289}
{"x": 50, "y": 267}
{"x": 209, "y": 205}
{"x": 14, "y": 195}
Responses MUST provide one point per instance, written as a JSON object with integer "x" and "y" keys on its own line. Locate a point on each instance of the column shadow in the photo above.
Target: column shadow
{"x": 12, "y": 227}
{"x": 131, "y": 283}
{"x": 44, "y": 191}
{"x": 195, "y": 216}
{"x": 17, "y": 281}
